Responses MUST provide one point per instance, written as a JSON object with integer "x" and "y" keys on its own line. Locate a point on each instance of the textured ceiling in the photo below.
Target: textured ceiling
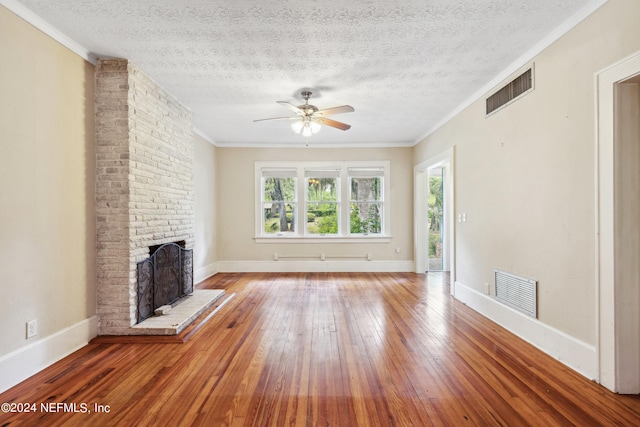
{"x": 404, "y": 66}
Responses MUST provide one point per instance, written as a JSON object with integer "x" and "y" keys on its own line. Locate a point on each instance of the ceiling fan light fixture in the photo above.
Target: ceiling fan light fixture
{"x": 297, "y": 126}
{"x": 315, "y": 127}
{"x": 307, "y": 131}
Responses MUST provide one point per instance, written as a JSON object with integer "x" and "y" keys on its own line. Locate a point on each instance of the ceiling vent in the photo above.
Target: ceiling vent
{"x": 511, "y": 91}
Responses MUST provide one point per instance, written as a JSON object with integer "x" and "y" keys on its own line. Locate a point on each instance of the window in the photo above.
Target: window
{"x": 278, "y": 200}
{"x": 365, "y": 200}
{"x": 322, "y": 200}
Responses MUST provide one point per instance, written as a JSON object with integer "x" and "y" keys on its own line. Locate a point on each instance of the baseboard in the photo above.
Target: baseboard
{"x": 204, "y": 273}
{"x": 26, "y": 361}
{"x": 282, "y": 266}
{"x": 576, "y": 354}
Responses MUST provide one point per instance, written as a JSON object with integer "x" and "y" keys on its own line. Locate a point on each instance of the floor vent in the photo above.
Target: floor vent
{"x": 517, "y": 292}
{"x": 512, "y": 90}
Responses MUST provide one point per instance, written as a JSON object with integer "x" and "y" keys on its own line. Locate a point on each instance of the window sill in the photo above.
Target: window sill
{"x": 322, "y": 239}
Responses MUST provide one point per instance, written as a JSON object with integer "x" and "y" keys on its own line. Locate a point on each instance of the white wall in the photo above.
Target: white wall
{"x": 47, "y": 204}
{"x": 526, "y": 176}
{"x": 237, "y": 249}
{"x": 205, "y": 183}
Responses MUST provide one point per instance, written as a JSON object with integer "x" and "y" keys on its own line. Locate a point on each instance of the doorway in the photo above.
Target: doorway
{"x": 434, "y": 233}
{"x": 436, "y": 243}
{"x": 618, "y": 228}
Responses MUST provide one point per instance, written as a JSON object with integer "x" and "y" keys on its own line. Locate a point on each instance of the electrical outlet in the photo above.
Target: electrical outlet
{"x": 368, "y": 257}
{"x": 321, "y": 257}
{"x": 486, "y": 289}
{"x": 397, "y": 250}
{"x": 32, "y": 328}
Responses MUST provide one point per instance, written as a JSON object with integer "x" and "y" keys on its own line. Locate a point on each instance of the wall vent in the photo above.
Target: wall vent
{"x": 512, "y": 90}
{"x": 517, "y": 292}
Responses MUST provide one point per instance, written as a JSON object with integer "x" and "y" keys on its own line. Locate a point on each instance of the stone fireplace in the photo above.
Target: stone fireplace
{"x": 144, "y": 184}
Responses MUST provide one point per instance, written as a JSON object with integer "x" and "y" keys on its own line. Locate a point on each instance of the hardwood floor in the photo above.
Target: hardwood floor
{"x": 326, "y": 349}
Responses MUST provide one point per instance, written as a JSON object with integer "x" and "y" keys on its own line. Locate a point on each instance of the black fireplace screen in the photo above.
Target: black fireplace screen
{"x": 163, "y": 278}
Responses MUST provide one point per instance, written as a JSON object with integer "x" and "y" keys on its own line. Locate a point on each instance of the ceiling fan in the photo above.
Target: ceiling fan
{"x": 308, "y": 118}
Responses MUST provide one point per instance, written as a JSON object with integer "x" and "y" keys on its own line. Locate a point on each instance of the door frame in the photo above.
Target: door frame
{"x": 618, "y": 367}
{"x": 420, "y": 207}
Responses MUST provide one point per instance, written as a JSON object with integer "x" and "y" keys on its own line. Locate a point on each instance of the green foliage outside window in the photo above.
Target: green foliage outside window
{"x": 279, "y": 196}
{"x": 435, "y": 214}
{"x": 435, "y": 203}
{"x": 322, "y": 196}
{"x": 361, "y": 224}
{"x": 365, "y": 216}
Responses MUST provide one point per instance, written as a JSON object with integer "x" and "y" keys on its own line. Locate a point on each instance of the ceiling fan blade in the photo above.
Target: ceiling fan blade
{"x": 333, "y": 123}
{"x": 277, "y": 118}
{"x": 334, "y": 110}
{"x": 291, "y": 107}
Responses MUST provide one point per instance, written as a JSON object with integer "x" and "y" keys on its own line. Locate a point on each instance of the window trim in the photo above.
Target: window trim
{"x": 301, "y": 235}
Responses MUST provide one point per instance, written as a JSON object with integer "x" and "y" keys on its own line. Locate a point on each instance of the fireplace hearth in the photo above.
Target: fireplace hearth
{"x": 164, "y": 278}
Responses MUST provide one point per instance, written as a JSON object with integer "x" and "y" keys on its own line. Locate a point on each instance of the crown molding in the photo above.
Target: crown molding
{"x": 20, "y": 10}
{"x": 523, "y": 60}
